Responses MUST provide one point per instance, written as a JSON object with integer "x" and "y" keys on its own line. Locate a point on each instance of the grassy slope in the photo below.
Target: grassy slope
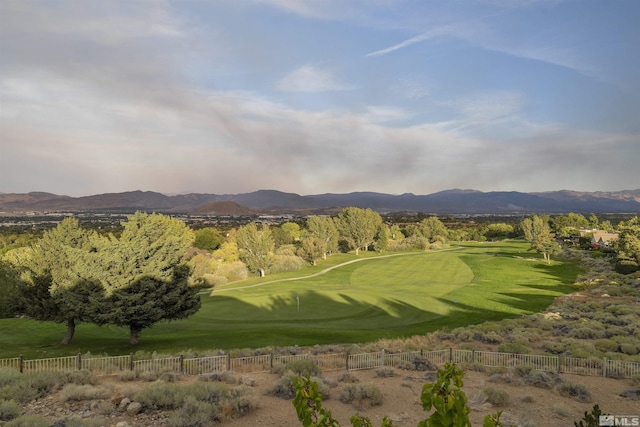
{"x": 359, "y": 302}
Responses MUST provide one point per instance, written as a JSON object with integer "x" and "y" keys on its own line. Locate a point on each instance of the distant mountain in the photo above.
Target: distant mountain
{"x": 272, "y": 201}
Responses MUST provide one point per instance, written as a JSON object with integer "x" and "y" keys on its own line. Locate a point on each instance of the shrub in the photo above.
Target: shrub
{"x": 9, "y": 376}
{"x": 161, "y": 396}
{"x": 496, "y": 397}
{"x": 81, "y": 377}
{"x": 284, "y": 388}
{"x": 302, "y": 367}
{"x": 587, "y": 333}
{"x": 606, "y": 345}
{"x": 361, "y": 394}
{"x": 28, "y": 421}
{"x": 9, "y": 410}
{"x": 492, "y": 338}
{"x": 347, "y": 377}
{"x": 223, "y": 377}
{"x": 576, "y": 391}
{"x": 194, "y": 413}
{"x": 541, "y": 379}
{"x": 523, "y": 370}
{"x": 513, "y": 347}
{"x": 83, "y": 392}
{"x": 127, "y": 376}
{"x": 385, "y": 372}
{"x": 209, "y": 392}
{"x": 628, "y": 348}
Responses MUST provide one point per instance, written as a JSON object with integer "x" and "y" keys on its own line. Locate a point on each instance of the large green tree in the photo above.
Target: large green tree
{"x": 9, "y": 286}
{"x": 538, "y": 233}
{"x": 628, "y": 243}
{"x": 256, "y": 247}
{"x": 59, "y": 283}
{"x": 320, "y": 233}
{"x": 143, "y": 273}
{"x": 358, "y": 227}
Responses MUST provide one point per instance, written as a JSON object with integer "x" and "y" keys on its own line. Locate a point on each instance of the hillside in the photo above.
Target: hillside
{"x": 272, "y": 201}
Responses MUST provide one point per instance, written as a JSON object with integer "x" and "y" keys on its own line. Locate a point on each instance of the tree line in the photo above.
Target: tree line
{"x": 153, "y": 267}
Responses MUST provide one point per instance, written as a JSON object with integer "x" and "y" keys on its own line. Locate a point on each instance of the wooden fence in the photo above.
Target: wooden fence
{"x": 327, "y": 362}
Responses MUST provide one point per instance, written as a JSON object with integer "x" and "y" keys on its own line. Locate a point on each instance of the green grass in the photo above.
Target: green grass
{"x": 378, "y": 297}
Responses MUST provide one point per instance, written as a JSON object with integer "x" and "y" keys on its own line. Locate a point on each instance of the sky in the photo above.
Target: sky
{"x": 319, "y": 96}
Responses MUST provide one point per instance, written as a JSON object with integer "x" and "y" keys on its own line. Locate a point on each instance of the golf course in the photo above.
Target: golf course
{"x": 344, "y": 299}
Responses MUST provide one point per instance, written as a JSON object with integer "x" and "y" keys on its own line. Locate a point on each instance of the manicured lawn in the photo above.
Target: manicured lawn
{"x": 378, "y": 297}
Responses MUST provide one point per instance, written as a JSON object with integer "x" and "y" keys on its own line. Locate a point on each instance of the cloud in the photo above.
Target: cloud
{"x": 310, "y": 78}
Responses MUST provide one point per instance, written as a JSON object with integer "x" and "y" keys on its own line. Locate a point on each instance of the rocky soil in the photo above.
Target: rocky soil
{"x": 526, "y": 406}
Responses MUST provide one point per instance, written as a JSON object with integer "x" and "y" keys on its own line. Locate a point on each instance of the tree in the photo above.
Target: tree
{"x": 208, "y": 239}
{"x": 286, "y": 234}
{"x": 358, "y": 227}
{"x": 9, "y": 285}
{"x": 538, "y": 233}
{"x": 499, "y": 230}
{"x": 566, "y": 225}
{"x": 381, "y": 239}
{"x": 60, "y": 281}
{"x": 256, "y": 247}
{"x": 143, "y": 274}
{"x": 323, "y": 232}
{"x": 433, "y": 230}
{"x": 149, "y": 299}
{"x": 628, "y": 244}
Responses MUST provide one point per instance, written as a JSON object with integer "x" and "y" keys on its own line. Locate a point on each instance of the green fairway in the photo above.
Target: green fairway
{"x": 375, "y": 297}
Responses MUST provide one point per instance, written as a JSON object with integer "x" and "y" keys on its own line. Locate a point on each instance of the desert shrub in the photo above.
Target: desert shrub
{"x": 492, "y": 338}
{"x": 148, "y": 376}
{"x": 9, "y": 410}
{"x": 513, "y": 347}
{"x": 161, "y": 396}
{"x": 348, "y": 377}
{"x": 83, "y": 392}
{"x": 283, "y": 263}
{"x": 79, "y": 422}
{"x": 587, "y": 333}
{"x": 505, "y": 378}
{"x": 284, "y": 387}
{"x": 9, "y": 376}
{"x": 223, "y": 377}
{"x": 576, "y": 391}
{"x": 523, "y": 370}
{"x": 632, "y": 393}
{"x": 247, "y": 380}
{"x": 385, "y": 372}
{"x": 193, "y": 413}
{"x": 554, "y": 347}
{"x": 27, "y": 387}
{"x": 361, "y": 395}
{"x": 169, "y": 377}
{"x": 628, "y": 348}
{"x": 613, "y": 331}
{"x": 541, "y": 379}
{"x": 81, "y": 377}
{"x": 635, "y": 380}
{"x": 302, "y": 367}
{"x": 210, "y": 392}
{"x": 496, "y": 397}
{"x": 419, "y": 363}
{"x": 28, "y": 421}
{"x": 463, "y": 334}
{"x": 239, "y": 403}
{"x": 606, "y": 345}
{"x": 127, "y": 376}
{"x": 475, "y": 366}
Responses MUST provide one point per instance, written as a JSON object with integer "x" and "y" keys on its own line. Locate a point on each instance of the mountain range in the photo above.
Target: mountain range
{"x": 276, "y": 202}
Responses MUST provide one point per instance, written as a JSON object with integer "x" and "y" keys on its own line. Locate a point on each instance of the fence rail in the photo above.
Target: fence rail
{"x": 335, "y": 361}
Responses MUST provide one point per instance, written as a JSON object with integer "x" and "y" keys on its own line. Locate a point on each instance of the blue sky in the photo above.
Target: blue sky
{"x": 315, "y": 96}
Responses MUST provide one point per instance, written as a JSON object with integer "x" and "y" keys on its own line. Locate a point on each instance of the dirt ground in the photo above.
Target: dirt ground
{"x": 528, "y": 406}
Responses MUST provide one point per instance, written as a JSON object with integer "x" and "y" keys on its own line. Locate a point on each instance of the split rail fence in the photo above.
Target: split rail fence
{"x": 327, "y": 362}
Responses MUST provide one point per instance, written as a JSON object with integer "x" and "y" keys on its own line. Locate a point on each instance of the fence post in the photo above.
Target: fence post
{"x": 131, "y": 361}
{"x": 473, "y": 356}
{"x": 559, "y": 364}
{"x": 21, "y": 367}
{"x": 382, "y": 356}
{"x": 450, "y": 354}
{"x": 181, "y": 364}
{"x": 421, "y": 353}
{"x": 270, "y": 360}
{"x": 79, "y": 362}
{"x": 604, "y": 366}
{"x": 228, "y": 361}
{"x": 347, "y": 359}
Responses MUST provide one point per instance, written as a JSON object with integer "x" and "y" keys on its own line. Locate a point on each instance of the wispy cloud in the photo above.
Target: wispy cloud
{"x": 311, "y": 78}
{"x": 427, "y": 35}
